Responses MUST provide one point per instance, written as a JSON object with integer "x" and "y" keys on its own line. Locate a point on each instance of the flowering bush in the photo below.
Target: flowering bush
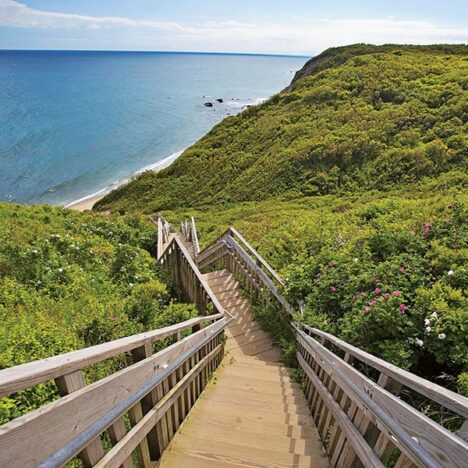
{"x": 70, "y": 280}
{"x": 397, "y": 293}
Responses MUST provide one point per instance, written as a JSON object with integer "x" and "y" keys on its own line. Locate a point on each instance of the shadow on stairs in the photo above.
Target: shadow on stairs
{"x": 251, "y": 413}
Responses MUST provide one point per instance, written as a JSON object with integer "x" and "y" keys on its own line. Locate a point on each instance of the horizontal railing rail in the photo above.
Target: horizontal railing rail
{"x": 357, "y": 417}
{"x": 17, "y": 378}
{"x": 188, "y": 278}
{"x": 443, "y": 396}
{"x": 254, "y": 273}
{"x": 154, "y": 395}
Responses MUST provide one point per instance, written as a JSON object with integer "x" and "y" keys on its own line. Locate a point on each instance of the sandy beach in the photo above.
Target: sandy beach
{"x": 85, "y": 204}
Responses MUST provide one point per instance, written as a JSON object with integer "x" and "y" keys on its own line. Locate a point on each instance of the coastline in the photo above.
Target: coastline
{"x": 87, "y": 202}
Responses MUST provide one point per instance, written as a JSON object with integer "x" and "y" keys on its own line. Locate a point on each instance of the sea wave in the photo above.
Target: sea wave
{"x": 156, "y": 166}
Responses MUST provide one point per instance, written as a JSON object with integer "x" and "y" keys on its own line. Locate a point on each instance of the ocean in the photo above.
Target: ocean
{"x": 74, "y": 124}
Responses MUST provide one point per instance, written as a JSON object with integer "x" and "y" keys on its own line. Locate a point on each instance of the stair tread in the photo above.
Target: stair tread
{"x": 251, "y": 414}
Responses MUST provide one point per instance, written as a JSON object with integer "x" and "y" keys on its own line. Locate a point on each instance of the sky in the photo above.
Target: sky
{"x": 296, "y": 27}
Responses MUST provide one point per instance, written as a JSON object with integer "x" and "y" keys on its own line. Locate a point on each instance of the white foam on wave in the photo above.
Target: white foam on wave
{"x": 241, "y": 104}
{"x": 157, "y": 166}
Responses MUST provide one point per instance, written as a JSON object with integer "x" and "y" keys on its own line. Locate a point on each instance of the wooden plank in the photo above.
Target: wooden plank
{"x": 364, "y": 452}
{"x": 70, "y": 383}
{"x": 31, "y": 438}
{"x": 116, "y": 433}
{"x": 142, "y": 450}
{"x": 441, "y": 444}
{"x": 32, "y": 373}
{"x": 121, "y": 451}
{"x": 445, "y": 397}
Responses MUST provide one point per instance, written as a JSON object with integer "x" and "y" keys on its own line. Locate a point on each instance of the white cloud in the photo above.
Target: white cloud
{"x": 293, "y": 36}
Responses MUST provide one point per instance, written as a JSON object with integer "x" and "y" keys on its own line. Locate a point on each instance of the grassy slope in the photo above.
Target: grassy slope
{"x": 355, "y": 118}
{"x": 359, "y": 164}
{"x": 70, "y": 280}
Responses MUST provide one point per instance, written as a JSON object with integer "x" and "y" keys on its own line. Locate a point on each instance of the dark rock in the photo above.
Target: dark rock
{"x": 208, "y": 104}
{"x": 220, "y": 100}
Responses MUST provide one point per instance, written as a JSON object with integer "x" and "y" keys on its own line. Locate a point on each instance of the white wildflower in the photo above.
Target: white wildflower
{"x": 356, "y": 259}
{"x": 60, "y": 270}
{"x": 35, "y": 251}
{"x": 428, "y": 329}
{"x": 419, "y": 342}
{"x": 434, "y": 315}
{"x": 427, "y": 322}
{"x": 450, "y": 272}
{"x": 410, "y": 341}
{"x": 441, "y": 336}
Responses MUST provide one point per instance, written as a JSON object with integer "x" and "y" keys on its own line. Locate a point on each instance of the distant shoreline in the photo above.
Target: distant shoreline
{"x": 87, "y": 202}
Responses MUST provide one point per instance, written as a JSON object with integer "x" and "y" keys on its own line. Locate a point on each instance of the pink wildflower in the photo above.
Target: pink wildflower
{"x": 366, "y": 310}
{"x": 387, "y": 295}
{"x": 396, "y": 293}
{"x": 427, "y": 229}
{"x": 403, "y": 308}
{"x": 402, "y": 270}
{"x": 377, "y": 291}
{"x": 333, "y": 289}
{"x": 353, "y": 298}
{"x": 362, "y": 293}
{"x": 373, "y": 303}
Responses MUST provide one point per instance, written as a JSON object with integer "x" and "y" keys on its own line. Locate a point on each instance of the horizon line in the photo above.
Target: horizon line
{"x": 160, "y": 52}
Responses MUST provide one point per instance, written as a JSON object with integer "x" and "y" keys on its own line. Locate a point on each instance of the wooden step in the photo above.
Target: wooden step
{"x": 216, "y": 274}
{"x": 246, "y": 423}
{"x": 301, "y": 445}
{"x": 237, "y": 454}
{"x": 242, "y": 328}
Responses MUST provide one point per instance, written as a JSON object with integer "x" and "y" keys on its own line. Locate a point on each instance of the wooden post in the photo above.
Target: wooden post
{"x": 71, "y": 383}
{"x": 147, "y": 404}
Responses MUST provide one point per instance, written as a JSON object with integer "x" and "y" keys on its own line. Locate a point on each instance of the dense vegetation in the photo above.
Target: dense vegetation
{"x": 70, "y": 280}
{"x": 360, "y": 117}
{"x": 385, "y": 271}
{"x": 352, "y": 183}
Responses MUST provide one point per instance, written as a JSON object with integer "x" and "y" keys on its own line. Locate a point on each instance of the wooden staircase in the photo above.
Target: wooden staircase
{"x": 211, "y": 391}
{"x": 251, "y": 413}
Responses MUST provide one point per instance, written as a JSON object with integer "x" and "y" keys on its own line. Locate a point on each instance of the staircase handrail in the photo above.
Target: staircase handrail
{"x": 22, "y": 376}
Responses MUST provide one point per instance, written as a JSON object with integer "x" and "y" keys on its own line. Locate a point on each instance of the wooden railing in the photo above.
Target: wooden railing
{"x": 189, "y": 231}
{"x": 165, "y": 230}
{"x": 233, "y": 252}
{"x": 360, "y": 419}
{"x": 362, "y": 422}
{"x": 188, "y": 279}
{"x": 134, "y": 411}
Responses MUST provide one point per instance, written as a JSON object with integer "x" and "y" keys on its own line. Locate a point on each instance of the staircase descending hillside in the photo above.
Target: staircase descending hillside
{"x": 253, "y": 415}
{"x": 214, "y": 392}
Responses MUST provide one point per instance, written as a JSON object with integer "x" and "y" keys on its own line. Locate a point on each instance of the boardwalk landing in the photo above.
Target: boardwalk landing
{"x": 251, "y": 414}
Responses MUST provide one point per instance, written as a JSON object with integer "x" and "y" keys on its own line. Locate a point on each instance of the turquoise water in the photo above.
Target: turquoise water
{"x": 76, "y": 123}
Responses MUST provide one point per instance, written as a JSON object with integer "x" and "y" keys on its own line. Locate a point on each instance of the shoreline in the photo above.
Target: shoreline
{"x": 87, "y": 202}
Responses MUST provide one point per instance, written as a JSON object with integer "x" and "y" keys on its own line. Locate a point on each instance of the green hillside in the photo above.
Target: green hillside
{"x": 351, "y": 182}
{"x": 70, "y": 280}
{"x": 355, "y": 118}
